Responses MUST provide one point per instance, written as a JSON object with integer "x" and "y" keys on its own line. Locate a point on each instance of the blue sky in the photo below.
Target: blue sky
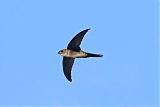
{"x": 124, "y": 31}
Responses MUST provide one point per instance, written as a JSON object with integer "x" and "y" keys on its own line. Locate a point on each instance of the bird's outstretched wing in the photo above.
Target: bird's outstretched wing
{"x": 67, "y": 67}
{"x": 74, "y": 44}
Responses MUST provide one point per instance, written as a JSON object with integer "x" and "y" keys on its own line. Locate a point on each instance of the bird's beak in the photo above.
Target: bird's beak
{"x": 59, "y": 52}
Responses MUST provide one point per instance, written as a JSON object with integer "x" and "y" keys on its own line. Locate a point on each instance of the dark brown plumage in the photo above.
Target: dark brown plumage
{"x": 74, "y": 51}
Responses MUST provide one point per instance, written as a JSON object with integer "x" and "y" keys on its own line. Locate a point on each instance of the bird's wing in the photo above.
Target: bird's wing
{"x": 67, "y": 67}
{"x": 74, "y": 44}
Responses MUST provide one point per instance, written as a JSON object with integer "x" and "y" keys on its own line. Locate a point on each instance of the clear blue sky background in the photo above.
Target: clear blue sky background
{"x": 124, "y": 31}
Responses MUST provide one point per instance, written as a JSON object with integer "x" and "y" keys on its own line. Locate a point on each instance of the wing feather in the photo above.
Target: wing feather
{"x": 74, "y": 44}
{"x": 67, "y": 67}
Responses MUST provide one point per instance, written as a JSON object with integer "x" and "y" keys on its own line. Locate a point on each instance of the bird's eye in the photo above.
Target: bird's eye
{"x": 61, "y": 50}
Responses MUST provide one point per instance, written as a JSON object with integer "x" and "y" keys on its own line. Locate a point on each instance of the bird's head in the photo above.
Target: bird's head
{"x": 63, "y": 52}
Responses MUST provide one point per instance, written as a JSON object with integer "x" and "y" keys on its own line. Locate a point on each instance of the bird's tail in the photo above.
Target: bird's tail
{"x": 93, "y": 55}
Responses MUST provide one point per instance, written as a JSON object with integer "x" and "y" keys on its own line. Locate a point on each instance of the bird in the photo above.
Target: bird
{"x": 74, "y": 51}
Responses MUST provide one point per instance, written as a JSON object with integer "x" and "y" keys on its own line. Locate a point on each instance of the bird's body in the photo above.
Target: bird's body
{"x": 72, "y": 54}
{"x": 77, "y": 54}
{"x": 74, "y": 51}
